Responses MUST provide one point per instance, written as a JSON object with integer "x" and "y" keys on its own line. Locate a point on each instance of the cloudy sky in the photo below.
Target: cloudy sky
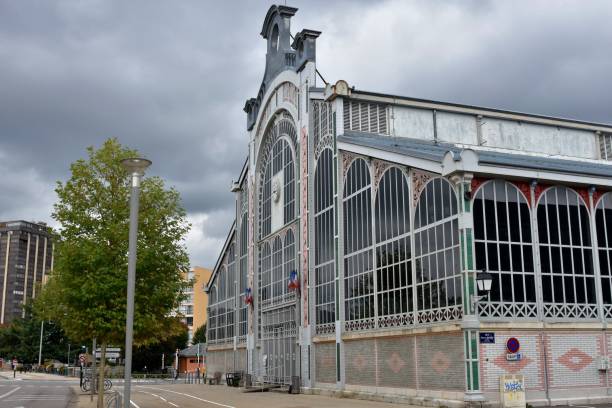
{"x": 170, "y": 78}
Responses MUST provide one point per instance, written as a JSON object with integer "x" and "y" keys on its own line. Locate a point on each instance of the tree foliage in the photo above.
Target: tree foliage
{"x": 199, "y": 336}
{"x": 20, "y": 339}
{"x": 150, "y": 355}
{"x": 87, "y": 290}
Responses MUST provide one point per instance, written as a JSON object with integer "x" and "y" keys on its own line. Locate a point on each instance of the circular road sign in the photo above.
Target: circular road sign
{"x": 513, "y": 345}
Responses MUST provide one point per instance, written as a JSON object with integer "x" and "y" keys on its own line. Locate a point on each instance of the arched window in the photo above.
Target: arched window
{"x": 242, "y": 320}
{"x": 278, "y": 188}
{"x": 265, "y": 281}
{"x": 211, "y": 326}
{"x": 503, "y": 247}
{"x": 358, "y": 263}
{"x": 393, "y": 252}
{"x": 230, "y": 302}
{"x": 603, "y": 223}
{"x": 324, "y": 219}
{"x": 277, "y": 269}
{"x": 436, "y": 241}
{"x": 568, "y": 282}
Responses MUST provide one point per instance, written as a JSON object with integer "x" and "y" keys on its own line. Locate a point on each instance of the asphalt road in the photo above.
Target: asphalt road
{"x": 35, "y": 393}
{"x": 220, "y": 396}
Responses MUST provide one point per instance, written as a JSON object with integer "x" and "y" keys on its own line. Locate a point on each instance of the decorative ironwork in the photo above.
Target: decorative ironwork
{"x": 360, "y": 325}
{"x": 399, "y": 320}
{"x": 379, "y": 169}
{"x": 440, "y": 315}
{"x": 325, "y": 329}
{"x": 419, "y": 180}
{"x": 347, "y": 159}
{"x": 505, "y": 309}
{"x": 575, "y": 310}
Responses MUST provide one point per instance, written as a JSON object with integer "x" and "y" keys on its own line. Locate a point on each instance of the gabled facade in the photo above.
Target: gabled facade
{"x": 362, "y": 220}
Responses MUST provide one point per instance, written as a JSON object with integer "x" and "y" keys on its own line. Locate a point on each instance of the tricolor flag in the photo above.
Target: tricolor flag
{"x": 248, "y": 296}
{"x": 294, "y": 282}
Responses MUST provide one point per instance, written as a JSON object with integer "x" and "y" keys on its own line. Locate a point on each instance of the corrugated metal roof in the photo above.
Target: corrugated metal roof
{"x": 432, "y": 151}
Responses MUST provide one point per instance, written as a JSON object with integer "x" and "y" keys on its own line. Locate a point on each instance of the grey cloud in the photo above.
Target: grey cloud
{"x": 170, "y": 79}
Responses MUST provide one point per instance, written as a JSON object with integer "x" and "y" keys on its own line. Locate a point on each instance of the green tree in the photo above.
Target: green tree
{"x": 199, "y": 336}
{"x": 150, "y": 355}
{"x": 87, "y": 290}
{"x": 20, "y": 339}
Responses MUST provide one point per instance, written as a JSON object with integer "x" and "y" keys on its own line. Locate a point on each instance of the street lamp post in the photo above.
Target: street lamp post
{"x": 136, "y": 167}
{"x": 42, "y": 326}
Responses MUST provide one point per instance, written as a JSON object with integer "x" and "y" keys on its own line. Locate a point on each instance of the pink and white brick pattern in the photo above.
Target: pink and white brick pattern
{"x": 573, "y": 359}
{"x": 493, "y": 362}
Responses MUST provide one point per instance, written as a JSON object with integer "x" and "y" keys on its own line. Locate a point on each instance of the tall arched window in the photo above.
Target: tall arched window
{"x": 277, "y": 268}
{"x": 603, "y": 223}
{"x": 358, "y": 263}
{"x": 324, "y": 243}
{"x": 242, "y": 319}
{"x": 438, "y": 264}
{"x": 230, "y": 302}
{"x": 393, "y": 251}
{"x": 568, "y": 282}
{"x": 211, "y": 326}
{"x": 503, "y": 247}
{"x": 278, "y": 188}
{"x": 265, "y": 280}
{"x": 221, "y": 309}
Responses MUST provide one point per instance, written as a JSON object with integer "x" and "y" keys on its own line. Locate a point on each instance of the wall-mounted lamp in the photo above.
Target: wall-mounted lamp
{"x": 484, "y": 281}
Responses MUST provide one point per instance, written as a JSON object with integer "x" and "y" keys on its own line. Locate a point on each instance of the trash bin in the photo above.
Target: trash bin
{"x": 295, "y": 385}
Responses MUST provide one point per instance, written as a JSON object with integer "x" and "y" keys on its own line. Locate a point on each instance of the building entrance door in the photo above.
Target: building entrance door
{"x": 279, "y": 340}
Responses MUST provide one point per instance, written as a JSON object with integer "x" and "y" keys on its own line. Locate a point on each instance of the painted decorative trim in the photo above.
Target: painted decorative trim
{"x": 476, "y": 183}
{"x": 584, "y": 193}
{"x": 597, "y": 194}
{"x": 525, "y": 188}
{"x": 539, "y": 189}
{"x": 347, "y": 159}
{"x": 324, "y": 143}
{"x": 379, "y": 167}
{"x": 304, "y": 219}
{"x": 419, "y": 179}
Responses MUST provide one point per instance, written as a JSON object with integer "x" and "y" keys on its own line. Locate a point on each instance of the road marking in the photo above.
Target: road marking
{"x": 173, "y": 404}
{"x": 9, "y": 393}
{"x": 190, "y": 396}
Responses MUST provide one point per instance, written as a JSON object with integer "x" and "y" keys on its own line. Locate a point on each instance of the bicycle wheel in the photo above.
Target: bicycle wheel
{"x": 85, "y": 386}
{"x": 107, "y": 384}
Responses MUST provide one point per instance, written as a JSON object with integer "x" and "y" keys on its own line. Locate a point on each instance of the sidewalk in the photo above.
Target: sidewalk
{"x": 35, "y": 376}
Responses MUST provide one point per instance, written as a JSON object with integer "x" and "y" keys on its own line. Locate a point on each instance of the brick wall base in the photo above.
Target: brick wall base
{"x": 560, "y": 366}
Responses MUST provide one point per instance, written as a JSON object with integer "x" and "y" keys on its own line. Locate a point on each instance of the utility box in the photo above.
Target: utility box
{"x": 512, "y": 391}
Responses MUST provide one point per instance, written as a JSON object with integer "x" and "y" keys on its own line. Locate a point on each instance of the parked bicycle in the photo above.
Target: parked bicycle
{"x": 86, "y": 386}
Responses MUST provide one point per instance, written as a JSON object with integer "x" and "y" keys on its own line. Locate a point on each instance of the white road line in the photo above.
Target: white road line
{"x": 190, "y": 396}
{"x": 173, "y": 404}
{"x": 9, "y": 393}
{"x": 131, "y": 402}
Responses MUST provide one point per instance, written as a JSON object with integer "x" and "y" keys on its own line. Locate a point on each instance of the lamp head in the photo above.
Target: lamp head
{"x": 484, "y": 280}
{"x": 135, "y": 164}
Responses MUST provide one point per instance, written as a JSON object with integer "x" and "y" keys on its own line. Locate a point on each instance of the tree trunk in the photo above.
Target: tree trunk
{"x": 101, "y": 375}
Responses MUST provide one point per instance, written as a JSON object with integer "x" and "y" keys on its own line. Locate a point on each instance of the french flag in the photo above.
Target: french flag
{"x": 294, "y": 282}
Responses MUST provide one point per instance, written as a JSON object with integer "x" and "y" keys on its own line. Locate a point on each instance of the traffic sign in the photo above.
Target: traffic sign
{"x": 513, "y": 345}
{"x": 82, "y": 358}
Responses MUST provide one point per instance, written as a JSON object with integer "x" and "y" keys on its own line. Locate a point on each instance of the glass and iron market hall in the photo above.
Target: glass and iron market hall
{"x": 362, "y": 223}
